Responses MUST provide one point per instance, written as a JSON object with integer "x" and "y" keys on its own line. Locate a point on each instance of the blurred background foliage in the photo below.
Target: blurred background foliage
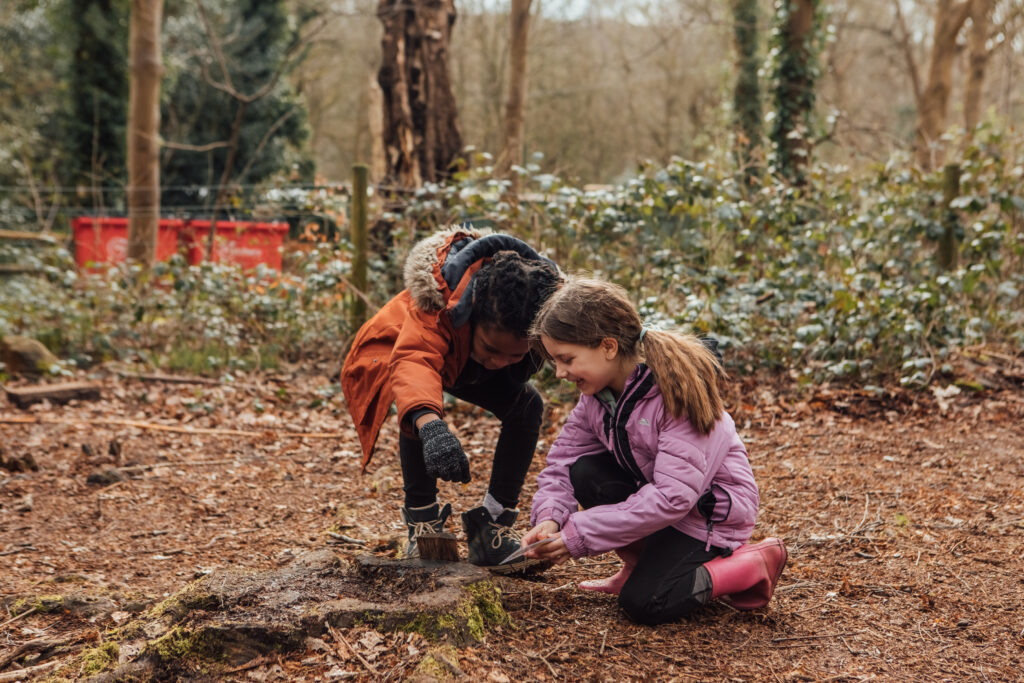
{"x": 833, "y": 281}
{"x": 641, "y": 169}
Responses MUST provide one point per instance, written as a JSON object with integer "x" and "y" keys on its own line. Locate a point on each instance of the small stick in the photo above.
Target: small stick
{"x": 562, "y": 587}
{"x": 251, "y": 664}
{"x": 169, "y": 379}
{"x": 604, "y": 638}
{"x": 534, "y": 655}
{"x": 22, "y": 674}
{"x": 346, "y": 539}
{"x": 341, "y": 639}
{"x": 823, "y": 635}
{"x": 171, "y": 428}
{"x": 29, "y": 548}
{"x": 20, "y": 616}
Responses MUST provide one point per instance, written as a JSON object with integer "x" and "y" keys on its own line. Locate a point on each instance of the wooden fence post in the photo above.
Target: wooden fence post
{"x": 947, "y": 254}
{"x": 360, "y": 259}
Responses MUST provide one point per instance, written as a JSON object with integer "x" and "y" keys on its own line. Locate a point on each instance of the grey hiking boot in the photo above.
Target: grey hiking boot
{"x": 492, "y": 540}
{"x": 428, "y": 519}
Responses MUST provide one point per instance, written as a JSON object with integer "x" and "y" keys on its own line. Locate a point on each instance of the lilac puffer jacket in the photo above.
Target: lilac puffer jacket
{"x": 673, "y": 464}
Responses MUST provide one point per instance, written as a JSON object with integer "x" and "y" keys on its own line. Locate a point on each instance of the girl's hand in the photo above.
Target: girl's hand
{"x": 540, "y": 532}
{"x": 554, "y": 552}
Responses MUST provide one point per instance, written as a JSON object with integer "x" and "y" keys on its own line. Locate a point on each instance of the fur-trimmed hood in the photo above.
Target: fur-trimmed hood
{"x": 426, "y": 291}
{"x": 440, "y": 269}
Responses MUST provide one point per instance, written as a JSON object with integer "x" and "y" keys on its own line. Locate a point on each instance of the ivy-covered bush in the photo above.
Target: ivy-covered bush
{"x": 833, "y": 280}
{"x": 836, "y": 279}
{"x": 203, "y": 318}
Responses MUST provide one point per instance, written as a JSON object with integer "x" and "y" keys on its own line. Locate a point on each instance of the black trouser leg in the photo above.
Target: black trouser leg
{"x": 420, "y": 488}
{"x": 521, "y": 410}
{"x": 669, "y": 580}
{"x": 598, "y": 480}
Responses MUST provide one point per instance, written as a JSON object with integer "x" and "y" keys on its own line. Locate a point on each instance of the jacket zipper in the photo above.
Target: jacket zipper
{"x": 617, "y": 449}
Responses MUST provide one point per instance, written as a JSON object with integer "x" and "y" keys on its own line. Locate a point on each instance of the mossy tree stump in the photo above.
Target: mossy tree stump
{"x": 231, "y": 617}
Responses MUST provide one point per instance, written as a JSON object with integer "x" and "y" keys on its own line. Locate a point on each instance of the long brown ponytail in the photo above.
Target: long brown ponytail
{"x": 687, "y": 374}
{"x": 586, "y": 311}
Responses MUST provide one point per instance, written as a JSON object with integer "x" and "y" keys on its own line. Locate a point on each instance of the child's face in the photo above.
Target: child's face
{"x": 591, "y": 369}
{"x": 495, "y": 349}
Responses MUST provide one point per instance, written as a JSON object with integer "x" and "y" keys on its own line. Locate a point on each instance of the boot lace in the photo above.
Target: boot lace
{"x": 503, "y": 533}
{"x": 429, "y": 527}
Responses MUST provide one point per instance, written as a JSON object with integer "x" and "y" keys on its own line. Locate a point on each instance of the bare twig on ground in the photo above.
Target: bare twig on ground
{"x": 338, "y": 638}
{"x": 177, "y": 430}
{"x": 20, "y": 616}
{"x": 345, "y": 539}
{"x": 22, "y": 674}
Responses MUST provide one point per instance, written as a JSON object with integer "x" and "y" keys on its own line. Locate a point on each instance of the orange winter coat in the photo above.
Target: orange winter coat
{"x": 419, "y": 342}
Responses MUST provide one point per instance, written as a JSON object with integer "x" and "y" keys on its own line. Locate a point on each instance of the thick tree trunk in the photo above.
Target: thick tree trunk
{"x": 747, "y": 92}
{"x": 931, "y": 115}
{"x": 421, "y": 130}
{"x": 143, "y": 129}
{"x": 795, "y": 94}
{"x": 977, "y": 60}
{"x": 519, "y": 29}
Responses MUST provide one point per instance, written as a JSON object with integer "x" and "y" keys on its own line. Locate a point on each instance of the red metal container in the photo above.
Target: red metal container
{"x": 242, "y": 242}
{"x": 104, "y": 239}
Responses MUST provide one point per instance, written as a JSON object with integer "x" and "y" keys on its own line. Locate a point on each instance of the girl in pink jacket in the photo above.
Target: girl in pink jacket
{"x": 654, "y": 461}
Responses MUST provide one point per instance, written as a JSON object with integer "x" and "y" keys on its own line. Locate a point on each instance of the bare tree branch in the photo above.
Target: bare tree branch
{"x": 908, "y": 53}
{"x": 184, "y": 146}
{"x": 263, "y": 141}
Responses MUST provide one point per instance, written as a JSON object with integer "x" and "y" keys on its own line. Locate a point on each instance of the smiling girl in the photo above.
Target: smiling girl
{"x": 653, "y": 459}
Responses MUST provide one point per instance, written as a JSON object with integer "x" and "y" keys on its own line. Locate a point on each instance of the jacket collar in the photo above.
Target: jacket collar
{"x": 633, "y": 382}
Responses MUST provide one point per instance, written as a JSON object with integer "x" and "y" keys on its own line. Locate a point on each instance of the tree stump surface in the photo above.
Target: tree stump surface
{"x": 233, "y": 616}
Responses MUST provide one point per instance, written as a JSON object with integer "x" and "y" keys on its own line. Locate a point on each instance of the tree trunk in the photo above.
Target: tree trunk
{"x": 375, "y": 110}
{"x": 795, "y": 92}
{"x": 931, "y": 115}
{"x": 519, "y": 29}
{"x": 421, "y": 130}
{"x": 143, "y": 130}
{"x": 747, "y": 92}
{"x": 977, "y": 60}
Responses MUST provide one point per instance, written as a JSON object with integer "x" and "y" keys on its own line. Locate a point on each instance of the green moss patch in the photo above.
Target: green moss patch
{"x": 100, "y": 658}
{"x": 40, "y": 603}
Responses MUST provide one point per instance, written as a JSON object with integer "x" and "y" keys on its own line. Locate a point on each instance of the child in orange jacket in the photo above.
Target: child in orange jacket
{"x": 461, "y": 326}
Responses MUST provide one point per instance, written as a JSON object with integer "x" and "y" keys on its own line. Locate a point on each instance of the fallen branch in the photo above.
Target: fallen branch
{"x": 199, "y": 431}
{"x": 817, "y": 637}
{"x": 26, "y": 548}
{"x": 22, "y": 674}
{"x": 20, "y": 616}
{"x": 187, "y": 463}
{"x": 31, "y": 236}
{"x": 56, "y": 393}
{"x": 168, "y": 379}
{"x": 42, "y": 645}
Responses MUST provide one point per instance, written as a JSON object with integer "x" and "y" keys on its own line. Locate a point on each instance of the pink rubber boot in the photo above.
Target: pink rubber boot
{"x": 748, "y": 577}
{"x": 613, "y": 584}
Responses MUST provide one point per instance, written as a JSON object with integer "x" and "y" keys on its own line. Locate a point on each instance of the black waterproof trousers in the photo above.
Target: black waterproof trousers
{"x": 519, "y": 408}
{"x": 669, "y": 580}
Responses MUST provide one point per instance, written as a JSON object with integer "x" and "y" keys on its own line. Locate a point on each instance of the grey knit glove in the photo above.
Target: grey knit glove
{"x": 442, "y": 453}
